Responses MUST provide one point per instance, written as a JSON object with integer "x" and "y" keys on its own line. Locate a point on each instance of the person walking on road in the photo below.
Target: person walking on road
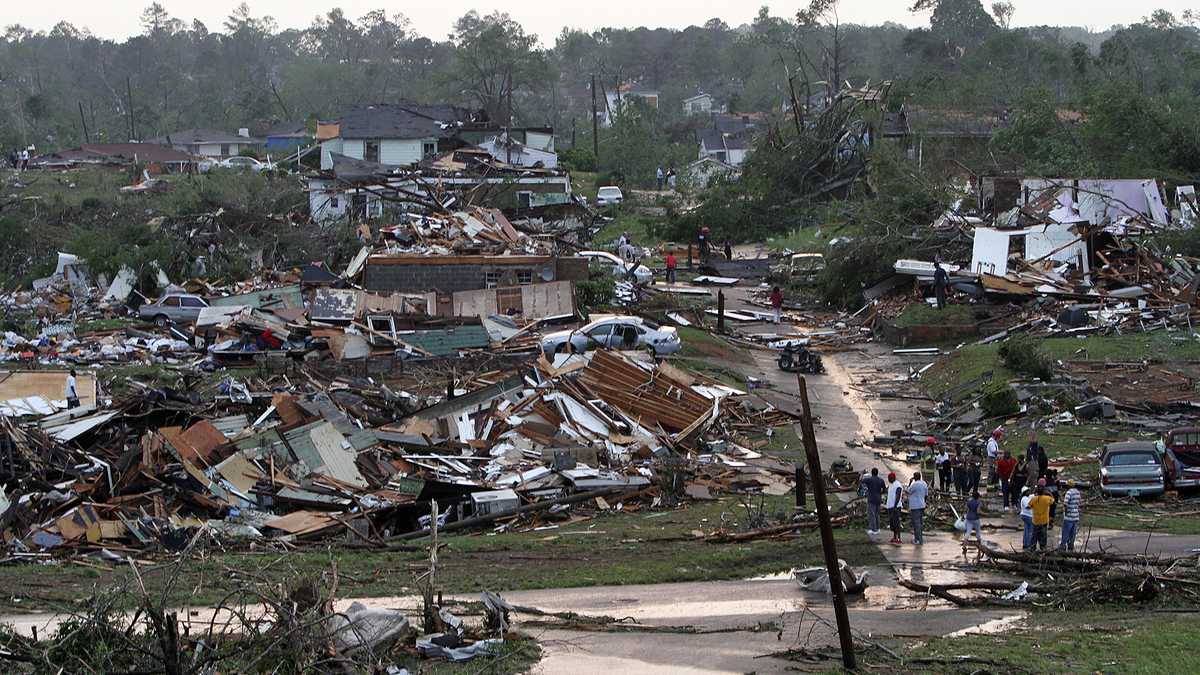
{"x": 972, "y": 520}
{"x": 1072, "y": 503}
{"x": 874, "y": 485}
{"x": 918, "y": 490}
{"x": 1040, "y": 505}
{"x": 893, "y": 506}
{"x": 777, "y": 303}
{"x": 1026, "y": 519}
{"x": 1005, "y": 467}
{"x": 671, "y": 263}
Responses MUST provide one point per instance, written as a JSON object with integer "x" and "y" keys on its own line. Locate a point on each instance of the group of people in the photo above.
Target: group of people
{"x": 19, "y": 159}
{"x": 669, "y": 176}
{"x": 1025, "y": 482}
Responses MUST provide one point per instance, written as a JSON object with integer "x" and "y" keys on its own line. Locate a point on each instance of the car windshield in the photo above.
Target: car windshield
{"x": 1132, "y": 459}
{"x": 608, "y": 192}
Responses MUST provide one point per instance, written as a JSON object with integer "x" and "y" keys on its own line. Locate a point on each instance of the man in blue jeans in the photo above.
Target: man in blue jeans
{"x": 918, "y": 490}
{"x": 1027, "y": 519}
{"x": 1070, "y": 526}
{"x": 874, "y": 494}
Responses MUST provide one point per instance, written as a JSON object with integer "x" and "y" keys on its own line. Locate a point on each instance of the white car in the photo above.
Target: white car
{"x": 620, "y": 268}
{"x": 609, "y": 195}
{"x": 614, "y": 332}
{"x": 244, "y": 163}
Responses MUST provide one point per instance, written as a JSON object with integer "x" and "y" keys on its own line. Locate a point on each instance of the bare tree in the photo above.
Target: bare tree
{"x": 1003, "y": 11}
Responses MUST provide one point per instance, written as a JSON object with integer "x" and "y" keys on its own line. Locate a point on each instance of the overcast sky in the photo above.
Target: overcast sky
{"x": 119, "y": 18}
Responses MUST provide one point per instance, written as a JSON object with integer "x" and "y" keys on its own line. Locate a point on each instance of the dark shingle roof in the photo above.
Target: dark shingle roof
{"x": 198, "y": 136}
{"x": 401, "y": 121}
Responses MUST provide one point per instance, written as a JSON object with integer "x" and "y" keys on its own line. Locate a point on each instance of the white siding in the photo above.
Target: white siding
{"x": 352, "y": 147}
{"x": 736, "y": 157}
{"x": 209, "y": 150}
{"x": 331, "y": 145}
{"x": 539, "y": 141}
{"x": 399, "y": 152}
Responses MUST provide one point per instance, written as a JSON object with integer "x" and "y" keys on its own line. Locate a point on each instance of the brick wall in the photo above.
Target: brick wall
{"x": 448, "y": 278}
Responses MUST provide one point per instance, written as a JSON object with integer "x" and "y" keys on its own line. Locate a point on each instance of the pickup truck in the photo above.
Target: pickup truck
{"x": 173, "y": 308}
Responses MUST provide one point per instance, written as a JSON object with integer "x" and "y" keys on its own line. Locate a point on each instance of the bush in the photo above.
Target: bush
{"x": 1022, "y": 354}
{"x": 578, "y": 159}
{"x": 597, "y": 290}
{"x": 999, "y": 400}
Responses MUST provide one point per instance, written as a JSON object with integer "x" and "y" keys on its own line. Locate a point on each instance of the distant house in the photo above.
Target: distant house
{"x": 392, "y": 134}
{"x": 623, "y": 94}
{"x": 728, "y": 138}
{"x": 701, "y": 104}
{"x": 286, "y": 137}
{"x": 208, "y": 142}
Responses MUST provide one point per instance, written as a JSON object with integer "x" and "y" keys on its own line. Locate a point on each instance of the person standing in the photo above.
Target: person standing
{"x": 671, "y": 263}
{"x": 918, "y": 490}
{"x": 942, "y": 462}
{"x": 671, "y": 176}
{"x": 659, "y": 176}
{"x": 704, "y": 244}
{"x": 1035, "y": 454}
{"x": 972, "y": 520}
{"x": 940, "y": 281}
{"x": 972, "y": 475}
{"x": 993, "y": 453}
{"x": 728, "y": 250}
{"x": 893, "y": 506}
{"x": 1020, "y": 476}
{"x": 1005, "y": 467}
{"x": 777, "y": 303}
{"x": 959, "y": 469}
{"x": 874, "y": 485}
{"x": 1040, "y": 505}
{"x": 24, "y": 159}
{"x": 1026, "y": 519}
{"x": 1072, "y": 504}
{"x": 71, "y": 391}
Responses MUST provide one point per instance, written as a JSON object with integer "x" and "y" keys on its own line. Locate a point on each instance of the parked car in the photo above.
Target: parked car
{"x": 1183, "y": 458}
{"x": 614, "y": 332}
{"x": 806, "y": 267}
{"x": 609, "y": 195}
{"x": 1132, "y": 469}
{"x": 173, "y": 308}
{"x": 620, "y": 268}
{"x": 242, "y": 163}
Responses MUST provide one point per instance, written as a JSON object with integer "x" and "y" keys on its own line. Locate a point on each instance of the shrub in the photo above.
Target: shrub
{"x": 597, "y": 290}
{"x": 578, "y": 159}
{"x": 999, "y": 400}
{"x": 1022, "y": 354}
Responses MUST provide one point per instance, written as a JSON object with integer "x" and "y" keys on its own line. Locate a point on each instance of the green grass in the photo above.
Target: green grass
{"x": 625, "y": 220}
{"x": 1109, "y": 641}
{"x": 1126, "y": 517}
{"x": 922, "y": 314}
{"x": 610, "y": 549}
{"x": 699, "y": 343}
{"x": 810, "y": 239}
{"x": 972, "y": 361}
{"x": 93, "y": 325}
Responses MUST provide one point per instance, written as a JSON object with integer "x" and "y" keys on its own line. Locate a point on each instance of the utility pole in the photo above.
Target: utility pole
{"x": 508, "y": 121}
{"x": 827, "y": 543}
{"x": 86, "y": 137}
{"x": 573, "y": 132}
{"x": 129, "y": 101}
{"x": 595, "y": 124}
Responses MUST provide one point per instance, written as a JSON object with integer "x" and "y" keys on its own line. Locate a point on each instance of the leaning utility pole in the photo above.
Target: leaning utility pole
{"x": 129, "y": 101}
{"x": 827, "y": 543}
{"x": 83, "y": 120}
{"x": 595, "y": 124}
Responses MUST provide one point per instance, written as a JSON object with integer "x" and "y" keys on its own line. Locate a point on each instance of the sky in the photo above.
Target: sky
{"x": 118, "y": 19}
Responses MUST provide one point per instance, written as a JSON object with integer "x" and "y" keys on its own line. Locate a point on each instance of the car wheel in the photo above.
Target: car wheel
{"x": 161, "y": 321}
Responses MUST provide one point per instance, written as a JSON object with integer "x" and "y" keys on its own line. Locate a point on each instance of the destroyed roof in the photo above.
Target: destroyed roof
{"x": 406, "y": 121}
{"x": 200, "y": 137}
{"x": 350, "y": 168}
{"x": 115, "y": 153}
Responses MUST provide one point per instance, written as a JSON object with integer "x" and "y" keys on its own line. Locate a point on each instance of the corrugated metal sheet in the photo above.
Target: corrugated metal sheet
{"x": 284, "y": 297}
{"x": 447, "y": 341}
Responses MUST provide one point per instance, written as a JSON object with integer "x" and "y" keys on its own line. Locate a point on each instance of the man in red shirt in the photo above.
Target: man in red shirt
{"x": 777, "y": 302}
{"x": 1005, "y": 467}
{"x": 670, "y": 267}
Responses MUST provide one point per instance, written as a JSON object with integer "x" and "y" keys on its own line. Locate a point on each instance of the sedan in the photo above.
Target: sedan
{"x": 609, "y": 195}
{"x": 618, "y": 267}
{"x": 1131, "y": 469}
{"x": 614, "y": 332}
{"x": 173, "y": 308}
{"x": 243, "y": 163}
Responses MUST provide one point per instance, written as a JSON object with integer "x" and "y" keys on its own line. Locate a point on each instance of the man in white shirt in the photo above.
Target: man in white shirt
{"x": 1026, "y": 519}
{"x": 918, "y": 490}
{"x": 70, "y": 392}
{"x": 894, "y": 490}
{"x": 993, "y": 453}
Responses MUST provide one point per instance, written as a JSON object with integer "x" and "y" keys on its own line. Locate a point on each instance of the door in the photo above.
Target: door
{"x": 600, "y": 335}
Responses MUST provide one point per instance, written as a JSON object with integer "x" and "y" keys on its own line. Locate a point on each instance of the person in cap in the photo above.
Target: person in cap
{"x": 1027, "y": 519}
{"x": 1072, "y": 506}
{"x": 1005, "y": 467}
{"x": 893, "y": 506}
{"x": 1040, "y": 505}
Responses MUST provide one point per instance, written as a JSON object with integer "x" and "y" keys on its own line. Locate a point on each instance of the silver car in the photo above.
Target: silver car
{"x": 614, "y": 332}
{"x": 173, "y": 308}
{"x": 1132, "y": 469}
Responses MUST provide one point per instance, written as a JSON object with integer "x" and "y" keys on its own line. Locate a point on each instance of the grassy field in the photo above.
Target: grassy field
{"x": 1108, "y": 641}
{"x": 809, "y": 239}
{"x": 922, "y": 314}
{"x": 610, "y": 549}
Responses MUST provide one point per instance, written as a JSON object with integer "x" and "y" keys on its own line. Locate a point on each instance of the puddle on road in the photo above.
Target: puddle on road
{"x": 990, "y": 627}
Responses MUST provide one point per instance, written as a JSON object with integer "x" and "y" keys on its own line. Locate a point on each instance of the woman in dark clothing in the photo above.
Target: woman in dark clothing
{"x": 1018, "y": 477}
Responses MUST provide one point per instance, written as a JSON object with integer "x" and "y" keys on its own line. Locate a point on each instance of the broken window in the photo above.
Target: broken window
{"x": 384, "y": 325}
{"x": 333, "y": 202}
{"x": 523, "y": 199}
{"x": 371, "y": 151}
